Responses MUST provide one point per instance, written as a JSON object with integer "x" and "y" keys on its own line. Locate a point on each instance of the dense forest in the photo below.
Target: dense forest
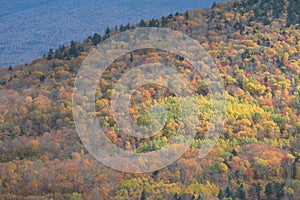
{"x": 256, "y": 47}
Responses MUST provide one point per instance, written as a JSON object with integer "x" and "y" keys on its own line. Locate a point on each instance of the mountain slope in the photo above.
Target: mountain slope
{"x": 257, "y": 156}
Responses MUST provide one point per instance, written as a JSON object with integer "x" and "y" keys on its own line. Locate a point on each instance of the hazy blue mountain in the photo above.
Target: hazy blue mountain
{"x": 28, "y": 29}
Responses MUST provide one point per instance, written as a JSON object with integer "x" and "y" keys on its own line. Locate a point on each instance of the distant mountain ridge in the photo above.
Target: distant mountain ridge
{"x": 28, "y": 29}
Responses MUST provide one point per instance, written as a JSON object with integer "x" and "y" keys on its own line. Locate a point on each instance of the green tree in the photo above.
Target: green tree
{"x": 177, "y": 197}
{"x": 269, "y": 190}
{"x": 228, "y": 192}
{"x": 142, "y": 23}
{"x": 241, "y": 193}
{"x": 256, "y": 117}
{"x": 164, "y": 20}
{"x": 221, "y": 194}
{"x": 73, "y": 49}
{"x": 258, "y": 189}
{"x": 76, "y": 196}
{"x": 199, "y": 197}
{"x": 96, "y": 39}
{"x": 143, "y": 197}
{"x": 50, "y": 54}
{"x": 279, "y": 190}
{"x": 186, "y": 15}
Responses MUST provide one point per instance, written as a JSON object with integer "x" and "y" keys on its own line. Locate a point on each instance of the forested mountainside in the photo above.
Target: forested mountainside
{"x": 256, "y": 47}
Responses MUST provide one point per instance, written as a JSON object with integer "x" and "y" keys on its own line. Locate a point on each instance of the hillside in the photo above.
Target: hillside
{"x": 256, "y": 47}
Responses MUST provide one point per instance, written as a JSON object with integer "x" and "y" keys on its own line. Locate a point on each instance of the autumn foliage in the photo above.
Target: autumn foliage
{"x": 256, "y": 47}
